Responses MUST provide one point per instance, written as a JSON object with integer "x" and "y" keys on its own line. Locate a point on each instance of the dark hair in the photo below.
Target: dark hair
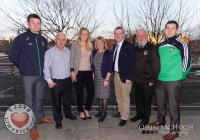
{"x": 172, "y": 22}
{"x": 33, "y": 16}
{"x": 119, "y": 28}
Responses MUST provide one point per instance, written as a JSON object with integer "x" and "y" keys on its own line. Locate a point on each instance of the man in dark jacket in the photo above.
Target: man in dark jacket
{"x": 27, "y": 53}
{"x": 123, "y": 67}
{"x": 145, "y": 76}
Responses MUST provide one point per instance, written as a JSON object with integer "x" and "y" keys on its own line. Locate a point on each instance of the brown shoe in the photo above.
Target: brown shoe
{"x": 156, "y": 123}
{"x": 170, "y": 136}
{"x": 34, "y": 134}
{"x": 45, "y": 120}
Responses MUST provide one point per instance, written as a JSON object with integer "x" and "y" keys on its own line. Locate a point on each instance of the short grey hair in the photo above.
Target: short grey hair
{"x": 143, "y": 30}
{"x": 60, "y": 33}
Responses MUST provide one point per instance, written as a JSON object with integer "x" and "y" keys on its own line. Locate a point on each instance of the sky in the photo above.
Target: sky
{"x": 103, "y": 6}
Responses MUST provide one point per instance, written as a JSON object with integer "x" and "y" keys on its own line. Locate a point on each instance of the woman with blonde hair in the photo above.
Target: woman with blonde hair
{"x": 102, "y": 63}
{"x": 80, "y": 61}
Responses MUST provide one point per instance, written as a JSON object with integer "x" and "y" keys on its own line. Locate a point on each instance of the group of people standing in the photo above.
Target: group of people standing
{"x": 162, "y": 68}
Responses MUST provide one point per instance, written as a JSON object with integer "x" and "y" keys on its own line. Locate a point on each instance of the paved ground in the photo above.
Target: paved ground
{"x": 107, "y": 130}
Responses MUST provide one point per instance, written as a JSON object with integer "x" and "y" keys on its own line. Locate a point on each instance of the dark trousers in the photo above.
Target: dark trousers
{"x": 84, "y": 77}
{"x": 169, "y": 91}
{"x": 63, "y": 89}
{"x": 34, "y": 89}
{"x": 143, "y": 96}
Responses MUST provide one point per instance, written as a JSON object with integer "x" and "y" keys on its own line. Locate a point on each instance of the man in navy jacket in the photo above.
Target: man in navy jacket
{"x": 124, "y": 59}
{"x": 27, "y": 53}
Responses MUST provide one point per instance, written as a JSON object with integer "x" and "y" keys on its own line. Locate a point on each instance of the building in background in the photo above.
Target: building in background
{"x": 4, "y": 46}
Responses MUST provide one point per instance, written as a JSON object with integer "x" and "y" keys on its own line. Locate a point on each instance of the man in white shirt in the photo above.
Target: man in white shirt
{"x": 57, "y": 74}
{"x": 123, "y": 73}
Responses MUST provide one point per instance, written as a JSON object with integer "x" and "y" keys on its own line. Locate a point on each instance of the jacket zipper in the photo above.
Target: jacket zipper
{"x": 38, "y": 51}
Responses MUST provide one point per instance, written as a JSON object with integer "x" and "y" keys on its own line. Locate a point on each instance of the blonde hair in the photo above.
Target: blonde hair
{"x": 88, "y": 42}
{"x": 100, "y": 38}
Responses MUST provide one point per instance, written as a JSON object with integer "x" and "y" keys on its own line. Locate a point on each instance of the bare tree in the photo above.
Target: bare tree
{"x": 66, "y": 16}
{"x": 152, "y": 15}
{"x": 2, "y": 37}
{"x": 194, "y": 35}
{"x": 123, "y": 17}
{"x": 194, "y": 42}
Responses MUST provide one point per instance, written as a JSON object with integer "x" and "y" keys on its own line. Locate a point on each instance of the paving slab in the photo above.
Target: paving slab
{"x": 87, "y": 134}
{"x": 88, "y": 123}
{"x": 107, "y": 130}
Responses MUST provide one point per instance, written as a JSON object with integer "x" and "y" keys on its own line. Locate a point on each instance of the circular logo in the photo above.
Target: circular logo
{"x": 19, "y": 118}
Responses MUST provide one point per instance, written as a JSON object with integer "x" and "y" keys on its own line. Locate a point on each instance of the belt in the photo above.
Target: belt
{"x": 116, "y": 71}
{"x": 63, "y": 79}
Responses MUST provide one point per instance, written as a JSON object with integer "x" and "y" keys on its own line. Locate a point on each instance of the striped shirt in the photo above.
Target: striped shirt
{"x": 56, "y": 64}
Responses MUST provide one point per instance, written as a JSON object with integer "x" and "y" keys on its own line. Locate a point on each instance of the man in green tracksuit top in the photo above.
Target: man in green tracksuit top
{"x": 175, "y": 63}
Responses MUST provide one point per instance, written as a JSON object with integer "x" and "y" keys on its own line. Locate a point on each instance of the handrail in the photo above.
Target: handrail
{"x": 6, "y": 64}
{"x": 13, "y": 71}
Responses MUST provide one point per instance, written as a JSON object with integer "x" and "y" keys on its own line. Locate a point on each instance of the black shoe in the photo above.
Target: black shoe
{"x": 135, "y": 118}
{"x": 122, "y": 122}
{"x": 87, "y": 116}
{"x": 101, "y": 119}
{"x": 84, "y": 118}
{"x": 142, "y": 125}
{"x": 98, "y": 114}
{"x": 71, "y": 117}
{"x": 116, "y": 115}
{"x": 58, "y": 125}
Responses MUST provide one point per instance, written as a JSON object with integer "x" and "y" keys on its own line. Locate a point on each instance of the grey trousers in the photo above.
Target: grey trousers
{"x": 169, "y": 92}
{"x": 34, "y": 89}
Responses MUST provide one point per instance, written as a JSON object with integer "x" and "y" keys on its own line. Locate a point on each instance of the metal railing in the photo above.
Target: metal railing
{"x": 13, "y": 80}
{"x": 13, "y": 72}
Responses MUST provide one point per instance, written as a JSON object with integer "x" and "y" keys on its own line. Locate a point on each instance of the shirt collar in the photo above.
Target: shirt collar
{"x": 33, "y": 34}
{"x": 171, "y": 39}
{"x": 144, "y": 44}
{"x": 120, "y": 43}
{"x": 57, "y": 48}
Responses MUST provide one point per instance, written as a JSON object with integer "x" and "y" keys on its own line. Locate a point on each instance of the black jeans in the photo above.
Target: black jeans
{"x": 63, "y": 89}
{"x": 143, "y": 96}
{"x": 84, "y": 77}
